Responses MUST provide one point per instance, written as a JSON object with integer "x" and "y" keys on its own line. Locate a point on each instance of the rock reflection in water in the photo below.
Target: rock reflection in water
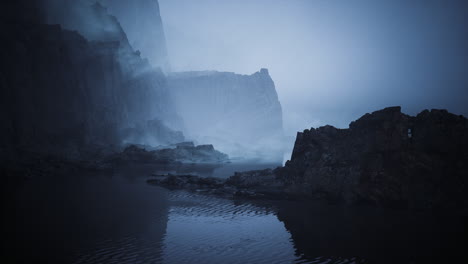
{"x": 372, "y": 235}
{"x": 203, "y": 229}
{"x": 212, "y": 170}
{"x": 85, "y": 218}
{"x": 117, "y": 218}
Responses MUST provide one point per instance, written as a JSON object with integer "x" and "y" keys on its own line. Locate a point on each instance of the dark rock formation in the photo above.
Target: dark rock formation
{"x": 96, "y": 24}
{"x": 386, "y": 158}
{"x": 261, "y": 183}
{"x": 240, "y": 114}
{"x": 182, "y": 153}
{"x": 63, "y": 93}
{"x": 190, "y": 182}
{"x": 231, "y": 188}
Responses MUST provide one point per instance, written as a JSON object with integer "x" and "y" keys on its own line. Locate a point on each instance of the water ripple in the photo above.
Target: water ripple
{"x": 206, "y": 229}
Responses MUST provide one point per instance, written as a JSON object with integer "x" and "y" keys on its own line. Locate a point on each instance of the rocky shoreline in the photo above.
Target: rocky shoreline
{"x": 21, "y": 164}
{"x": 184, "y": 152}
{"x": 385, "y": 158}
{"x": 250, "y": 185}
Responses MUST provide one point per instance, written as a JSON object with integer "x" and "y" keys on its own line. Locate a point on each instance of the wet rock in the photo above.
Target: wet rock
{"x": 202, "y": 185}
{"x": 254, "y": 179}
{"x": 385, "y": 158}
{"x": 186, "y": 182}
{"x": 247, "y": 185}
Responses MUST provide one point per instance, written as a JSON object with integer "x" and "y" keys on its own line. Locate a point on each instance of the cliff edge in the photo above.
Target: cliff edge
{"x": 240, "y": 114}
{"x": 386, "y": 158}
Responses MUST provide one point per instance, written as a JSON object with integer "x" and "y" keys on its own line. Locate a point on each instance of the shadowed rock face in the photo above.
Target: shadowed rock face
{"x": 61, "y": 92}
{"x": 386, "y": 158}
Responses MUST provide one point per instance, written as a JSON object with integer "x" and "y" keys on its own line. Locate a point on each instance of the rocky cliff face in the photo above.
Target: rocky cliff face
{"x": 141, "y": 21}
{"x": 240, "y": 114}
{"x": 386, "y": 158}
{"x": 60, "y": 90}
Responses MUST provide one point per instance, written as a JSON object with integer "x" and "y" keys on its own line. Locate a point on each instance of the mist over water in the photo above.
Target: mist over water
{"x": 98, "y": 111}
{"x": 239, "y": 114}
{"x": 115, "y": 217}
{"x": 331, "y": 61}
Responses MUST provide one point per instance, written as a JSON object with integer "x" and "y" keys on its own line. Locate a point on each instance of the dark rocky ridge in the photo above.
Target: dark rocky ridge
{"x": 247, "y": 185}
{"x": 63, "y": 93}
{"x": 385, "y": 158}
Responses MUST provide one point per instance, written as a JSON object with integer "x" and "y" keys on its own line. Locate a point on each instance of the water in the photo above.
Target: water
{"x": 115, "y": 217}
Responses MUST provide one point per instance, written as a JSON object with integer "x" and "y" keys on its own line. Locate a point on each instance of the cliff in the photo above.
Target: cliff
{"x": 240, "y": 114}
{"x": 141, "y": 21}
{"x": 63, "y": 90}
{"x": 385, "y": 158}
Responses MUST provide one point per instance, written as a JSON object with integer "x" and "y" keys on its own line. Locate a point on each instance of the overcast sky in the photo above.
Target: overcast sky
{"x": 332, "y": 61}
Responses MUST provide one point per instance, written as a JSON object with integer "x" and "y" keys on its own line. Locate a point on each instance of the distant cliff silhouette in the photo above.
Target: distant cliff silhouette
{"x": 239, "y": 114}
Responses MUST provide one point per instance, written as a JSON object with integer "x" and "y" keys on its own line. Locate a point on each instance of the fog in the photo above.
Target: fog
{"x": 331, "y": 61}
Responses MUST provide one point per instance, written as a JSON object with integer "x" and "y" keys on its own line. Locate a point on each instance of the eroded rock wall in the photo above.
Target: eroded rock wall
{"x": 240, "y": 114}
{"x": 63, "y": 90}
{"x": 386, "y": 158}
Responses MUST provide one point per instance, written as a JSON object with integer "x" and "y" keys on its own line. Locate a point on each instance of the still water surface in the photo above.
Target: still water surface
{"x": 115, "y": 217}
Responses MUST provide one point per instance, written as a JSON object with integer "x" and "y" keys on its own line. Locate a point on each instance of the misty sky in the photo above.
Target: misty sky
{"x": 332, "y": 61}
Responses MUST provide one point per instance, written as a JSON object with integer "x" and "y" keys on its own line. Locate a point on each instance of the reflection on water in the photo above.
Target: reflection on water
{"x": 204, "y": 229}
{"x": 117, "y": 218}
{"x": 56, "y": 218}
{"x": 371, "y": 234}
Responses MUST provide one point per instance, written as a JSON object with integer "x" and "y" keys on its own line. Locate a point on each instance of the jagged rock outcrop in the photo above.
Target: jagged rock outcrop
{"x": 240, "y": 114}
{"x": 242, "y": 185}
{"x": 61, "y": 92}
{"x": 385, "y": 158}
